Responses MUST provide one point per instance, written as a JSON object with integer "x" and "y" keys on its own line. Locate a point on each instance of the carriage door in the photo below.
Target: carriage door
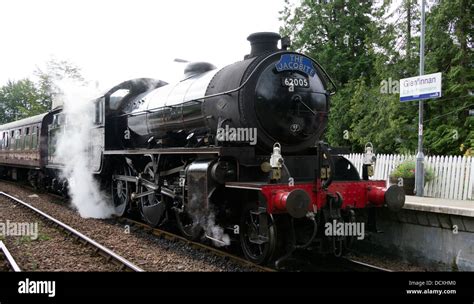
{"x": 97, "y": 136}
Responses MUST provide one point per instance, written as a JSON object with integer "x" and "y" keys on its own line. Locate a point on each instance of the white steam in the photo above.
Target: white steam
{"x": 73, "y": 150}
{"x": 206, "y": 220}
{"x": 216, "y": 232}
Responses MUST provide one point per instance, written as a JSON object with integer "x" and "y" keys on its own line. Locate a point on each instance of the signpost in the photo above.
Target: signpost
{"x": 420, "y": 88}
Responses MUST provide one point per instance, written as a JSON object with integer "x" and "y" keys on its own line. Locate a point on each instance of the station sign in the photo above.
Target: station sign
{"x": 420, "y": 87}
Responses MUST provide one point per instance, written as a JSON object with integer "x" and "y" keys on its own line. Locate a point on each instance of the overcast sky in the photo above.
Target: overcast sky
{"x": 116, "y": 40}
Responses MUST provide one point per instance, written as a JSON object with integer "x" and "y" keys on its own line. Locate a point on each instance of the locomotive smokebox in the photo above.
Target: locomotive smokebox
{"x": 262, "y": 43}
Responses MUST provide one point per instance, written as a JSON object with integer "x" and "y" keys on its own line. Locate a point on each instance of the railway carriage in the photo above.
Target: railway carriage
{"x": 20, "y": 146}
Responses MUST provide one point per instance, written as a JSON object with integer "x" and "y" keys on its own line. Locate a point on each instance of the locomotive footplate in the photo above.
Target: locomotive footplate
{"x": 216, "y": 150}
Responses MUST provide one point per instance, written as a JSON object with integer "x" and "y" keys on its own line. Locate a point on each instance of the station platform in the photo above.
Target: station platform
{"x": 434, "y": 233}
{"x": 440, "y": 205}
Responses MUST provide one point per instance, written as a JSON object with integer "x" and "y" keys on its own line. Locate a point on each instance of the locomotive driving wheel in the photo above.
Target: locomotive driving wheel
{"x": 258, "y": 235}
{"x": 152, "y": 206}
{"x": 121, "y": 191}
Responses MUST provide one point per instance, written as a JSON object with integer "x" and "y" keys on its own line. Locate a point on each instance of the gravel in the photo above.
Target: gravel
{"x": 52, "y": 250}
{"x": 146, "y": 251}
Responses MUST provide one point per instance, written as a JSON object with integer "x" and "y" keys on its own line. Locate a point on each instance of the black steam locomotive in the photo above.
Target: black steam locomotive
{"x": 237, "y": 147}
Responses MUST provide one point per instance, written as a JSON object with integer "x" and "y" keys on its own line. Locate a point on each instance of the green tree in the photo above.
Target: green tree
{"x": 25, "y": 98}
{"x": 449, "y": 42}
{"x": 396, "y": 58}
{"x": 20, "y": 99}
{"x": 336, "y": 33}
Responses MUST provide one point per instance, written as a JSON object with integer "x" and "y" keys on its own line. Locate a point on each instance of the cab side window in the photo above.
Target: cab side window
{"x": 99, "y": 112}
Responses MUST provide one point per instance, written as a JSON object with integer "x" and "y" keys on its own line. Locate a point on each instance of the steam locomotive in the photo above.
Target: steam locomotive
{"x": 238, "y": 148}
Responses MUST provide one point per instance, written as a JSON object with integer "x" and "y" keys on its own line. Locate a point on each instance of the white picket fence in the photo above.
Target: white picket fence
{"x": 454, "y": 175}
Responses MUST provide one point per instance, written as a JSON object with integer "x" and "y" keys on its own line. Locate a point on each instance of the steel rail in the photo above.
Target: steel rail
{"x": 68, "y": 229}
{"x": 11, "y": 261}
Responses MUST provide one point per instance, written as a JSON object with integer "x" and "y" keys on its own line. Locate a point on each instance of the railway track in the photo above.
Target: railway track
{"x": 342, "y": 264}
{"x": 8, "y": 261}
{"x": 166, "y": 235}
{"x": 174, "y": 237}
{"x": 336, "y": 264}
{"x": 124, "y": 264}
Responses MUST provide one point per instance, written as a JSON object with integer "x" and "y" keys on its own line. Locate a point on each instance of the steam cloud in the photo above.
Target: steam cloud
{"x": 73, "y": 150}
{"x": 216, "y": 232}
{"x": 206, "y": 220}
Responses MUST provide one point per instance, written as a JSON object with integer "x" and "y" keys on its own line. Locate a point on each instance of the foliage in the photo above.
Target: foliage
{"x": 407, "y": 169}
{"x": 361, "y": 53}
{"x": 21, "y": 99}
{"x": 25, "y": 98}
{"x": 335, "y": 33}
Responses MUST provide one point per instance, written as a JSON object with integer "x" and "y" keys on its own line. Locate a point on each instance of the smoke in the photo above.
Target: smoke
{"x": 73, "y": 150}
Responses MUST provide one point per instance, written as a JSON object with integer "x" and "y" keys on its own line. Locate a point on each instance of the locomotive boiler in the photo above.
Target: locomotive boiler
{"x": 232, "y": 154}
{"x": 282, "y": 95}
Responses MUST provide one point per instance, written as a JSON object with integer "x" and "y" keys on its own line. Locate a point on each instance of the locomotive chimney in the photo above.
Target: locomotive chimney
{"x": 262, "y": 43}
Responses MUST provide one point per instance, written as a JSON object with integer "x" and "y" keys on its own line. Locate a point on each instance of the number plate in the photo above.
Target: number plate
{"x": 295, "y": 82}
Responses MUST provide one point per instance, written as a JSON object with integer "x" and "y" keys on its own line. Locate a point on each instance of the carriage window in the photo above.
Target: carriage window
{"x": 34, "y": 141}
{"x": 27, "y": 131}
